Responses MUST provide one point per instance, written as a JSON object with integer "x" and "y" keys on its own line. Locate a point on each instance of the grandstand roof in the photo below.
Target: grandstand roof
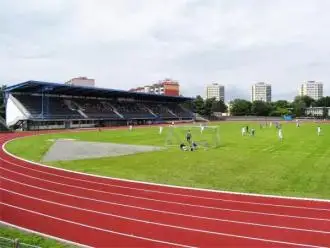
{"x": 74, "y": 90}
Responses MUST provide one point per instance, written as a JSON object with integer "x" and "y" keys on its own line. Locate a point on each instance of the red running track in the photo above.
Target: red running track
{"x": 106, "y": 212}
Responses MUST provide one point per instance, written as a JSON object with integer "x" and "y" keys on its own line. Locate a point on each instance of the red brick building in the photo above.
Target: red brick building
{"x": 167, "y": 87}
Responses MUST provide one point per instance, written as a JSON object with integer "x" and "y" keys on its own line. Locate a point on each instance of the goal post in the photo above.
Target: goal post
{"x": 203, "y": 136}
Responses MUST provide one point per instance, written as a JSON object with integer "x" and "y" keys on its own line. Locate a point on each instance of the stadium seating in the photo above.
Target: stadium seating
{"x": 92, "y": 108}
{"x": 162, "y": 111}
{"x": 131, "y": 110}
{"x": 95, "y": 108}
{"x": 52, "y": 107}
{"x": 180, "y": 111}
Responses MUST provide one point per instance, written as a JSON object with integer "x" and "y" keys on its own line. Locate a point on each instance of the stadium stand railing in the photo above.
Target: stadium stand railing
{"x": 14, "y": 243}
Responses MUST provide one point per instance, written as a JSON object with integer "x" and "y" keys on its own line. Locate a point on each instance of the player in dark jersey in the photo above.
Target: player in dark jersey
{"x": 188, "y": 136}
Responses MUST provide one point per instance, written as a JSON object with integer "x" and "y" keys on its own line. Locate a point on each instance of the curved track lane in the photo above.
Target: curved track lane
{"x": 105, "y": 212}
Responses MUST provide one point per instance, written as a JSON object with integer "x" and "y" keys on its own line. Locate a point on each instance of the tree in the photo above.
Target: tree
{"x": 299, "y": 106}
{"x": 199, "y": 105}
{"x": 240, "y": 107}
{"x": 281, "y": 104}
{"x": 219, "y": 106}
{"x": 307, "y": 100}
{"x": 208, "y": 106}
{"x": 323, "y": 102}
{"x": 280, "y": 108}
{"x": 261, "y": 108}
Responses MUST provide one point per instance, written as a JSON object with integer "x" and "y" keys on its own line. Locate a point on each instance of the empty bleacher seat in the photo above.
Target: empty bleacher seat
{"x": 95, "y": 108}
{"x": 47, "y": 108}
{"x": 132, "y": 110}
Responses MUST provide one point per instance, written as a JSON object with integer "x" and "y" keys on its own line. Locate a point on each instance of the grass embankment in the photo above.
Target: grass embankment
{"x": 299, "y": 166}
{"x": 30, "y": 239}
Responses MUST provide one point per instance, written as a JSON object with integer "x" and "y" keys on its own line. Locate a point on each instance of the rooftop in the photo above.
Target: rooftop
{"x": 85, "y": 91}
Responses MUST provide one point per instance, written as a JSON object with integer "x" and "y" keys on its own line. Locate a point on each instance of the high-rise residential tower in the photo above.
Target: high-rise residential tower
{"x": 216, "y": 91}
{"x": 261, "y": 92}
{"x": 312, "y": 89}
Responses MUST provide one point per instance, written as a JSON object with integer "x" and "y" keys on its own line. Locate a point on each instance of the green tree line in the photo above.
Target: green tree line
{"x": 278, "y": 108}
{"x": 241, "y": 107}
{"x": 206, "y": 107}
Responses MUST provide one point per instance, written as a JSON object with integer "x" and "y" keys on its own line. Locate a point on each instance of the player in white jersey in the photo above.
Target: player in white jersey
{"x": 280, "y": 134}
{"x": 130, "y": 127}
{"x": 297, "y": 123}
{"x": 318, "y": 131}
{"x": 202, "y": 128}
{"x": 160, "y": 130}
{"x": 243, "y": 131}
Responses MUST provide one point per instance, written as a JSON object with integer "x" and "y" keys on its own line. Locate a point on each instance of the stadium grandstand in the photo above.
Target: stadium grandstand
{"x": 35, "y": 105}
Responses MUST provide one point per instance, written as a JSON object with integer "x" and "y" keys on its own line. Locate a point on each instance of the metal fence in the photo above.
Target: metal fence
{"x": 14, "y": 243}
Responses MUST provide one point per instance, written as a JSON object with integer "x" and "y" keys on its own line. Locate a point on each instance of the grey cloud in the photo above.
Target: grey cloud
{"x": 127, "y": 44}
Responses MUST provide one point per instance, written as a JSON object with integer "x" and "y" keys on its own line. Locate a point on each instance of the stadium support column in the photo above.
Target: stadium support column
{"x": 5, "y": 97}
{"x": 45, "y": 105}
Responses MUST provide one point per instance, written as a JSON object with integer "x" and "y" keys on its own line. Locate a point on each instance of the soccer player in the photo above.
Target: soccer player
{"x": 130, "y": 127}
{"x": 280, "y": 134}
{"x": 183, "y": 147}
{"x": 243, "y": 131}
{"x": 253, "y": 131}
{"x": 318, "y": 131}
{"x": 202, "y": 128}
{"x": 297, "y": 123}
{"x": 188, "y": 136}
{"x": 160, "y": 130}
{"x": 194, "y": 146}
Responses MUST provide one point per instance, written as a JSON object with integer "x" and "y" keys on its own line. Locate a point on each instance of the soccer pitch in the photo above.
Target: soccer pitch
{"x": 297, "y": 166}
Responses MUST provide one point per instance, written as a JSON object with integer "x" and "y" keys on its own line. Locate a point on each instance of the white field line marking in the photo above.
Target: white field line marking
{"x": 157, "y": 184}
{"x": 165, "y": 193}
{"x": 161, "y": 224}
{"x": 44, "y": 235}
{"x": 169, "y": 202}
{"x": 96, "y": 228}
{"x": 168, "y": 212}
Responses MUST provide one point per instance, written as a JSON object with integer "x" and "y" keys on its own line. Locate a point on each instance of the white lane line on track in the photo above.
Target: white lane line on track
{"x": 96, "y": 228}
{"x": 169, "y": 212}
{"x": 165, "y": 225}
{"x": 157, "y": 184}
{"x": 45, "y": 235}
{"x": 165, "y": 193}
{"x": 169, "y": 202}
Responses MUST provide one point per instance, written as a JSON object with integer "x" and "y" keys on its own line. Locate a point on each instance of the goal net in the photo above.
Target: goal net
{"x": 202, "y": 136}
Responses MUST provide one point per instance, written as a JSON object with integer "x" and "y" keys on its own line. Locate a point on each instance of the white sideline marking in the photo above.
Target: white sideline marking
{"x": 96, "y": 228}
{"x": 44, "y": 235}
{"x": 169, "y": 202}
{"x": 165, "y": 225}
{"x": 168, "y": 212}
{"x": 157, "y": 184}
{"x": 165, "y": 193}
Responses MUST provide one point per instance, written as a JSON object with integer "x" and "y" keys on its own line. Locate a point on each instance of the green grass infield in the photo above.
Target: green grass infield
{"x": 27, "y": 238}
{"x": 297, "y": 166}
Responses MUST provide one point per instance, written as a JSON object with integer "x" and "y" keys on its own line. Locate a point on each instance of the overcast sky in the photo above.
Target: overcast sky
{"x": 129, "y": 43}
